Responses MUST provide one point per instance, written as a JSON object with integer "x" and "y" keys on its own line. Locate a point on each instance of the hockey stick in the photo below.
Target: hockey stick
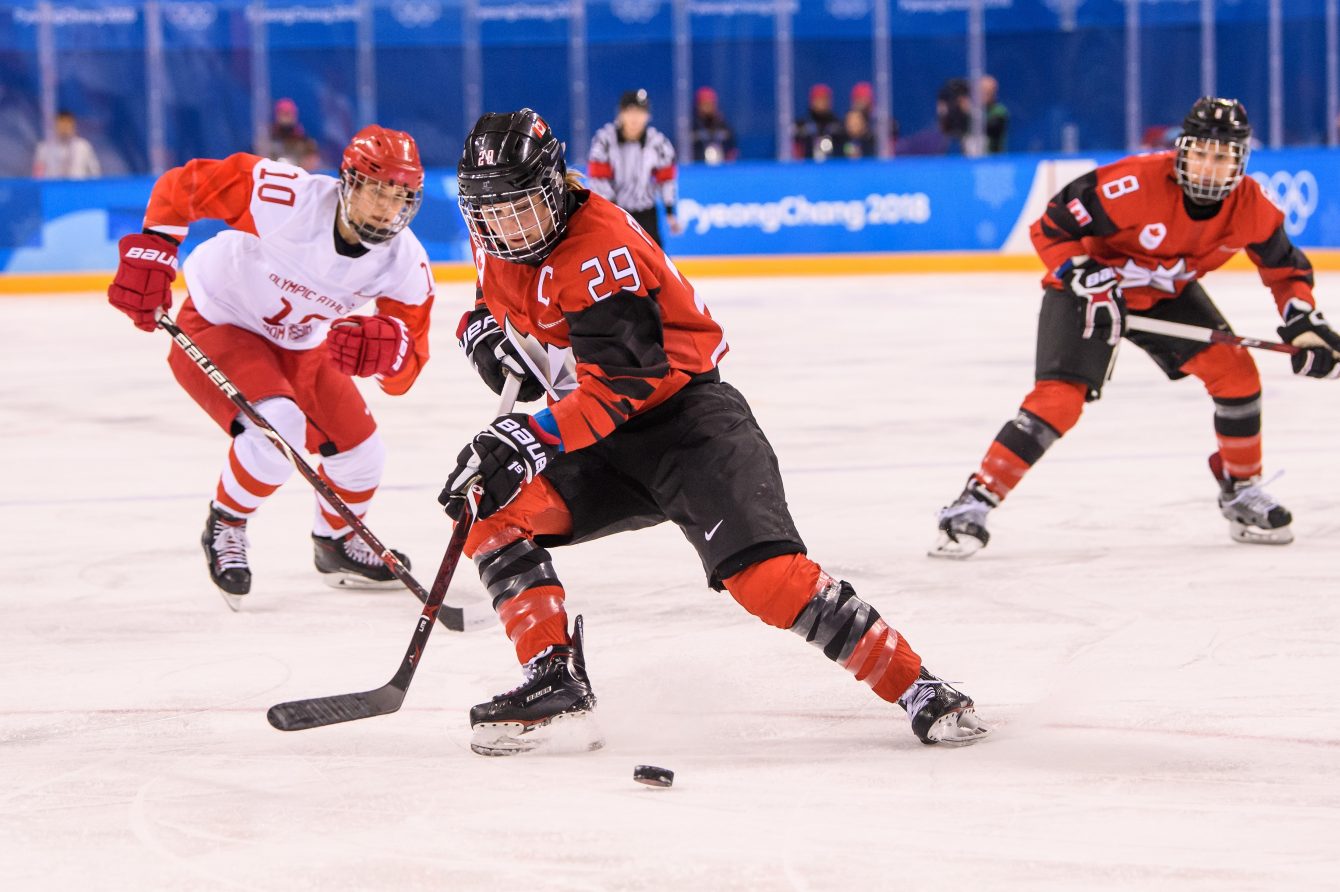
{"x": 299, "y": 715}
{"x": 1197, "y": 333}
{"x": 454, "y": 618}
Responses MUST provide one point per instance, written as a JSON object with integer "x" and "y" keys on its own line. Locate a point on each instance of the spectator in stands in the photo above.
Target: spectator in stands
{"x": 863, "y": 100}
{"x": 953, "y": 111}
{"x": 819, "y": 134}
{"x": 952, "y": 107}
{"x": 857, "y": 140}
{"x": 632, "y": 164}
{"x": 996, "y": 116}
{"x": 67, "y": 156}
{"x": 713, "y": 138}
{"x": 288, "y": 141}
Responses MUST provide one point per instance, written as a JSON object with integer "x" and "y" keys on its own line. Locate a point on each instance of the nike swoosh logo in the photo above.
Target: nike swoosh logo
{"x": 712, "y": 532}
{"x": 548, "y": 324}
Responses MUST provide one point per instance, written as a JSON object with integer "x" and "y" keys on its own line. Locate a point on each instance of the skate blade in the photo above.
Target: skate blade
{"x": 234, "y": 602}
{"x": 567, "y": 732}
{"x": 955, "y": 550}
{"x": 961, "y": 728}
{"x": 342, "y": 580}
{"x": 1241, "y": 532}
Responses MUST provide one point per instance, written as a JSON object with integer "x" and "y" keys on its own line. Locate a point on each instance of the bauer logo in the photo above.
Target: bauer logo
{"x": 797, "y": 210}
{"x": 1295, "y": 194}
{"x": 153, "y": 255}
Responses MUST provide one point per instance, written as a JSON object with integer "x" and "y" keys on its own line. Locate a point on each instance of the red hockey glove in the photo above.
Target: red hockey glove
{"x": 368, "y": 345}
{"x": 508, "y": 453}
{"x": 143, "y": 282}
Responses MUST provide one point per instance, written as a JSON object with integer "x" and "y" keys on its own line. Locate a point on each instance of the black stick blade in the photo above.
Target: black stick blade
{"x": 299, "y": 715}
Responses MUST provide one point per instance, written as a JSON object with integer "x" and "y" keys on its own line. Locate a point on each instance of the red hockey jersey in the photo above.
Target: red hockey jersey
{"x": 1131, "y": 215}
{"x": 622, "y": 328}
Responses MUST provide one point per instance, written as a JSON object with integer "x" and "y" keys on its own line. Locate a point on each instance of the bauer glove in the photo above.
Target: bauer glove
{"x": 507, "y": 454}
{"x": 142, "y": 287}
{"x": 368, "y": 345}
{"x": 494, "y": 356}
{"x": 1305, "y": 327}
{"x": 1099, "y": 287}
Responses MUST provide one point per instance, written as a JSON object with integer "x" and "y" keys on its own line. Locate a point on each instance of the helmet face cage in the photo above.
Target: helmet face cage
{"x": 520, "y": 226}
{"x": 1210, "y": 182}
{"x": 357, "y": 189}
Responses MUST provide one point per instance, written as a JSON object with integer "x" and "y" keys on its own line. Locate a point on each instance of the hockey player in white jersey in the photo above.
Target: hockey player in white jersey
{"x": 272, "y": 301}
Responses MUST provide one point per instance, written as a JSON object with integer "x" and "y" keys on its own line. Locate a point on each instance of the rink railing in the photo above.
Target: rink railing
{"x": 904, "y": 215}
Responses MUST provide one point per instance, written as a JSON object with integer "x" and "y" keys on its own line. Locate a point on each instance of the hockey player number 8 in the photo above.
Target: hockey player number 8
{"x": 1117, "y": 188}
{"x": 621, "y": 268}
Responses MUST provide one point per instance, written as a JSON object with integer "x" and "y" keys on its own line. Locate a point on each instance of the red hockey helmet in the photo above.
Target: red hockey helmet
{"x": 377, "y": 163}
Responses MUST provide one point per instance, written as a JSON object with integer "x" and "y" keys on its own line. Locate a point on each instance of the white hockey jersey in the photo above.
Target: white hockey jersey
{"x": 277, "y": 272}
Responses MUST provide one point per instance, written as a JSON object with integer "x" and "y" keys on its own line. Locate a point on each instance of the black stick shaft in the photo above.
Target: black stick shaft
{"x": 317, "y": 712}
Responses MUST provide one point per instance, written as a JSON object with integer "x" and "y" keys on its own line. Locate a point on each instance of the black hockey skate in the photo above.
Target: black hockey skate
{"x": 556, "y": 692}
{"x": 941, "y": 714}
{"x": 348, "y": 562}
{"x": 963, "y": 524}
{"x": 225, "y": 544}
{"x": 1253, "y": 514}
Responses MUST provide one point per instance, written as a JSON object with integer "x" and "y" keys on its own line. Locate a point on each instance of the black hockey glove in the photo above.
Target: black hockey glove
{"x": 494, "y": 356}
{"x": 1099, "y": 287}
{"x": 1307, "y": 328}
{"x": 508, "y": 453}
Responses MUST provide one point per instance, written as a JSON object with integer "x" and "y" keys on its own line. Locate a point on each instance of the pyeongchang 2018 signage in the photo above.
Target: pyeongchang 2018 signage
{"x": 848, "y": 206}
{"x": 834, "y": 207}
{"x": 940, "y": 204}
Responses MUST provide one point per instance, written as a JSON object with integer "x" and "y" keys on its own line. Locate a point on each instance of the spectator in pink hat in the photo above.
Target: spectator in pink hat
{"x": 818, "y": 135}
{"x": 288, "y": 141}
{"x": 713, "y": 138}
{"x": 863, "y": 99}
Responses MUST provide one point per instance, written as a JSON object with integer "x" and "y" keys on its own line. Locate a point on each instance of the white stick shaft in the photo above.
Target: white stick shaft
{"x": 1171, "y": 329}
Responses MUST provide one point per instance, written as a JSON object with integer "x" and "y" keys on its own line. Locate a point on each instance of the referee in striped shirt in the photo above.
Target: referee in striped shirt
{"x": 631, "y": 163}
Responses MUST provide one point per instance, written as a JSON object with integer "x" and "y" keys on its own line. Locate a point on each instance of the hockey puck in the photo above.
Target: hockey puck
{"x": 653, "y": 776}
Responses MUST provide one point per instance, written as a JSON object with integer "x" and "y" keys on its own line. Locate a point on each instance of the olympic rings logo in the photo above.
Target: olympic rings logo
{"x": 1295, "y": 194}
{"x": 414, "y": 14}
{"x": 635, "y": 12}
{"x": 190, "y": 16}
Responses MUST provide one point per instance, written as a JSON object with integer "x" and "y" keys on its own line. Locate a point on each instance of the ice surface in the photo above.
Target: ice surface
{"x": 1163, "y": 698}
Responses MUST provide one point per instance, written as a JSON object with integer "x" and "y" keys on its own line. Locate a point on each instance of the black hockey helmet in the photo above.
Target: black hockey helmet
{"x": 1213, "y": 127}
{"x": 511, "y": 186}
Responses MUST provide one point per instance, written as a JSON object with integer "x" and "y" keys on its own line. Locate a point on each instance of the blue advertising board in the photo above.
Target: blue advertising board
{"x": 904, "y": 205}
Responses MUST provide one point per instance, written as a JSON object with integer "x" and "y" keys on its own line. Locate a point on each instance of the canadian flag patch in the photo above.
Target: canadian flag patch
{"x": 1079, "y": 212}
{"x": 539, "y": 128}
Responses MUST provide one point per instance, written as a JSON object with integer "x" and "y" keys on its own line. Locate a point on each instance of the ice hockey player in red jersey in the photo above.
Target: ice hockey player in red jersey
{"x": 272, "y": 302}
{"x": 1134, "y": 238}
{"x": 639, "y": 429}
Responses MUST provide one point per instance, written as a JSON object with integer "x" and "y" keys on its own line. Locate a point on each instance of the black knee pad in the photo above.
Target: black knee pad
{"x": 835, "y": 620}
{"x": 512, "y": 569}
